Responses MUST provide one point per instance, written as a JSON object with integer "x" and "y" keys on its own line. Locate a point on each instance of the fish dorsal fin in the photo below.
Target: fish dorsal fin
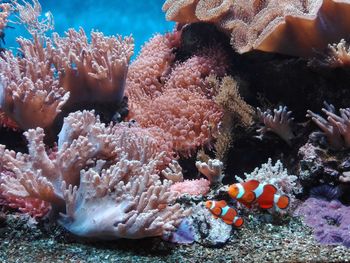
{"x": 266, "y": 199}
{"x": 221, "y": 203}
{"x": 249, "y": 197}
{"x": 251, "y": 185}
{"x": 270, "y": 188}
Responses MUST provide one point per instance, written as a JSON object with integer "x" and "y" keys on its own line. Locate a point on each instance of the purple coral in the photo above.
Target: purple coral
{"x": 335, "y": 127}
{"x": 278, "y": 122}
{"x": 329, "y": 219}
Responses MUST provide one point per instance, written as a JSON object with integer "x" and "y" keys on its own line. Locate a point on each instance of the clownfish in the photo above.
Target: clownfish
{"x": 228, "y": 214}
{"x": 253, "y": 191}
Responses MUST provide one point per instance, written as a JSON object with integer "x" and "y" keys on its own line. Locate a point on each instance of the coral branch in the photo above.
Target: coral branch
{"x": 335, "y": 127}
{"x": 212, "y": 170}
{"x": 278, "y": 122}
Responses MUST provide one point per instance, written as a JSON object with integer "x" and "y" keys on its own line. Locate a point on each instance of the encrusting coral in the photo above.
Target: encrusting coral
{"x": 63, "y": 73}
{"x": 272, "y": 26}
{"x": 95, "y": 164}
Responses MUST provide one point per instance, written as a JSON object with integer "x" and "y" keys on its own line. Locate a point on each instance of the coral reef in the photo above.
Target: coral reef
{"x": 94, "y": 164}
{"x": 273, "y": 26}
{"x": 336, "y": 56}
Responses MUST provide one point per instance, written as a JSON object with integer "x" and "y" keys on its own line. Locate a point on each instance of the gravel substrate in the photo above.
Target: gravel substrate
{"x": 256, "y": 242}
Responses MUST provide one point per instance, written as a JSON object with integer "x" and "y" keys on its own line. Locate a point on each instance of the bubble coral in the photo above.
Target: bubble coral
{"x": 175, "y": 96}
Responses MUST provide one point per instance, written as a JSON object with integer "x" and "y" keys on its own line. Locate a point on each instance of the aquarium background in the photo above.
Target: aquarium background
{"x": 142, "y": 19}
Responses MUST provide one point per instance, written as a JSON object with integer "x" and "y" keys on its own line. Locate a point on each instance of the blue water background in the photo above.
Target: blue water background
{"x": 141, "y": 18}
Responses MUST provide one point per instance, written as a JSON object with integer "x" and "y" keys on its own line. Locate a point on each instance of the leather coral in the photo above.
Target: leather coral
{"x": 273, "y": 25}
{"x": 103, "y": 180}
{"x": 62, "y": 74}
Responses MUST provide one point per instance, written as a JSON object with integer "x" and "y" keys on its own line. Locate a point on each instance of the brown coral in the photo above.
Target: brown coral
{"x": 273, "y": 25}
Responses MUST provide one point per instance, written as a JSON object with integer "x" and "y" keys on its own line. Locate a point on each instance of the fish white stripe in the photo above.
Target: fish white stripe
{"x": 276, "y": 198}
{"x": 259, "y": 190}
{"x": 224, "y": 210}
{"x": 241, "y": 191}
{"x": 212, "y": 205}
{"x": 235, "y": 219}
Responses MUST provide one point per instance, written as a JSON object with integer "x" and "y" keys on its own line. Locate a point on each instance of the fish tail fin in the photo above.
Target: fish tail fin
{"x": 238, "y": 221}
{"x": 283, "y": 202}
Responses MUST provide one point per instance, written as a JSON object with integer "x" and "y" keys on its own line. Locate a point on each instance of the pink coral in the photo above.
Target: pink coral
{"x": 192, "y": 117}
{"x": 192, "y": 187}
{"x": 4, "y": 14}
{"x": 62, "y": 73}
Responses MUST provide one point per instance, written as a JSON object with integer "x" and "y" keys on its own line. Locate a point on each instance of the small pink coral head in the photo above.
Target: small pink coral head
{"x": 192, "y": 187}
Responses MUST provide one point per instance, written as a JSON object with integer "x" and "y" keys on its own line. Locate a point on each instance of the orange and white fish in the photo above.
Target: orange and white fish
{"x": 228, "y": 214}
{"x": 252, "y": 191}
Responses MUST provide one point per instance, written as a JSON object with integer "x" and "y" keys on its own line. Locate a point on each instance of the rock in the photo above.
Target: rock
{"x": 208, "y": 230}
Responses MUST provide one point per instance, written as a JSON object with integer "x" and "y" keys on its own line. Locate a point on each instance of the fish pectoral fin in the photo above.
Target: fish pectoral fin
{"x": 266, "y": 205}
{"x": 229, "y": 222}
{"x": 216, "y": 211}
{"x": 251, "y": 185}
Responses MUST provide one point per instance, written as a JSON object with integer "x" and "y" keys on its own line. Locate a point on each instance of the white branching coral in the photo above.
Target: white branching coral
{"x": 212, "y": 170}
{"x": 335, "y": 127}
{"x": 104, "y": 180}
{"x": 173, "y": 172}
{"x": 276, "y": 175}
{"x": 278, "y": 122}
